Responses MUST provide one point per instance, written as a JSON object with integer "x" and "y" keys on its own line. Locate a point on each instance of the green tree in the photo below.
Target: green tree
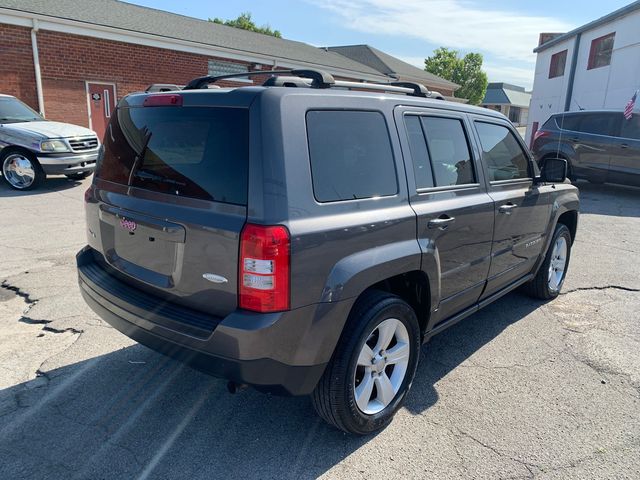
{"x": 465, "y": 71}
{"x": 245, "y": 22}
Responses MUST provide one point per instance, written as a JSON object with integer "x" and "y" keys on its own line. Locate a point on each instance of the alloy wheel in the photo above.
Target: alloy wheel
{"x": 19, "y": 171}
{"x": 382, "y": 366}
{"x": 558, "y": 264}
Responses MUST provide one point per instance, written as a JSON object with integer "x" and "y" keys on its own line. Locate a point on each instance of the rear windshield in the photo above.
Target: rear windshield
{"x": 195, "y": 152}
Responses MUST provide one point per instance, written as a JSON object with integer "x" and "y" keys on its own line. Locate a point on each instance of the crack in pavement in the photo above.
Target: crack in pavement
{"x": 604, "y": 287}
{"x": 19, "y": 292}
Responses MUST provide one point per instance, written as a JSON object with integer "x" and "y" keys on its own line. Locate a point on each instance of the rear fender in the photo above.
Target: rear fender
{"x": 353, "y": 274}
{"x": 566, "y": 200}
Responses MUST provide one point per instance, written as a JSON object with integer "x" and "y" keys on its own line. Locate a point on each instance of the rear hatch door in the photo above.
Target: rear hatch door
{"x": 171, "y": 190}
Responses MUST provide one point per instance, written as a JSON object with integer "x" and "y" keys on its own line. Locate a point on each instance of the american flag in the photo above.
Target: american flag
{"x": 628, "y": 110}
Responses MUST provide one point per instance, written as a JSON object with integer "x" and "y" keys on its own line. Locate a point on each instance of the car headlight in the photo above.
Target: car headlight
{"x": 54, "y": 146}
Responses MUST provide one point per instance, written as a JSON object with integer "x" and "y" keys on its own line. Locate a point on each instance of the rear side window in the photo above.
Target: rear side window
{"x": 449, "y": 151}
{"x": 194, "y": 152}
{"x": 598, "y": 123}
{"x": 631, "y": 127}
{"x": 568, "y": 122}
{"x": 351, "y": 155}
{"x": 502, "y": 153}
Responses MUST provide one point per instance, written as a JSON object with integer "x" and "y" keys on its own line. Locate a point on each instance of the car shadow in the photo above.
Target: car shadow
{"x": 134, "y": 413}
{"x": 51, "y": 184}
{"x": 609, "y": 199}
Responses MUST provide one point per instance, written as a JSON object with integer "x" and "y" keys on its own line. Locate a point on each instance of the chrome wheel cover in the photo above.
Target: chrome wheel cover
{"x": 558, "y": 264}
{"x": 382, "y": 366}
{"x": 18, "y": 171}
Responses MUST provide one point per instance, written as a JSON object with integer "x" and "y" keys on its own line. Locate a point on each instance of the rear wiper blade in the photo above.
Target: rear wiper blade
{"x": 146, "y": 175}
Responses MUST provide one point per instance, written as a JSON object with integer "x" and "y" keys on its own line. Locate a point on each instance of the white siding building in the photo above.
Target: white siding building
{"x": 595, "y": 66}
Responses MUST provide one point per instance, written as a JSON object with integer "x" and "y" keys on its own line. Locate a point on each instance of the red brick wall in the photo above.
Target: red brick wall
{"x": 17, "y": 76}
{"x": 68, "y": 60}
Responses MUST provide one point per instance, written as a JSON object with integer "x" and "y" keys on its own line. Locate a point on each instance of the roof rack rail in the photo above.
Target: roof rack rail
{"x": 419, "y": 90}
{"x": 287, "y": 81}
{"x": 162, "y": 87}
{"x": 435, "y": 95}
{"x": 317, "y": 79}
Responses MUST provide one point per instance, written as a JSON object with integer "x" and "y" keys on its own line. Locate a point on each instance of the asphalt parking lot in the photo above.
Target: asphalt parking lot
{"x": 522, "y": 389}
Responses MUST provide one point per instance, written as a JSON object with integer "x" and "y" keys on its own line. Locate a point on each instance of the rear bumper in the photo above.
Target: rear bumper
{"x": 283, "y": 353}
{"x": 57, "y": 164}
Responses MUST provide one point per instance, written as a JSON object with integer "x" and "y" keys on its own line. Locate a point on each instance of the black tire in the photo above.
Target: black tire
{"x": 78, "y": 176}
{"x": 539, "y": 286}
{"x": 39, "y": 177}
{"x": 334, "y": 396}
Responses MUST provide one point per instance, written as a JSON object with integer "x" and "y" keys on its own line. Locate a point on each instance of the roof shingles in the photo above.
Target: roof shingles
{"x": 389, "y": 65}
{"x": 134, "y": 18}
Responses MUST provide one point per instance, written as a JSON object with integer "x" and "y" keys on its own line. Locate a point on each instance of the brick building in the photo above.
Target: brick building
{"x": 73, "y": 60}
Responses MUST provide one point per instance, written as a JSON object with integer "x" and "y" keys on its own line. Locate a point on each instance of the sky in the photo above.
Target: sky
{"x": 504, "y": 32}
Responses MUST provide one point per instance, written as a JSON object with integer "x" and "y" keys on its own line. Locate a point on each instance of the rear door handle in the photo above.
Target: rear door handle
{"x": 624, "y": 145}
{"x": 507, "y": 208}
{"x": 441, "y": 223}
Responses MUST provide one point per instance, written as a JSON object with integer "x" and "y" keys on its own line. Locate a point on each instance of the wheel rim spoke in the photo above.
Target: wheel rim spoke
{"x": 364, "y": 391}
{"x": 397, "y": 354}
{"x": 366, "y": 356}
{"x": 384, "y": 389}
{"x": 386, "y": 330}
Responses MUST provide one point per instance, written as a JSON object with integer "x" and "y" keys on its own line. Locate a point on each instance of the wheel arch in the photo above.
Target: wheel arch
{"x": 413, "y": 287}
{"x": 570, "y": 219}
{"x": 18, "y": 148}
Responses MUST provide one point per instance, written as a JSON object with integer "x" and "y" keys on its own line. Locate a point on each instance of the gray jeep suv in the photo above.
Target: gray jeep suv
{"x": 306, "y": 239}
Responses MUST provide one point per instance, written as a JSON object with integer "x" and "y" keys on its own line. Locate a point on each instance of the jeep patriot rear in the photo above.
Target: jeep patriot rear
{"x": 308, "y": 240}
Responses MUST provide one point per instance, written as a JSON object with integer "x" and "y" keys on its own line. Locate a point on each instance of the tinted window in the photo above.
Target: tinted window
{"x": 502, "y": 153}
{"x": 631, "y": 127}
{"x": 568, "y": 122}
{"x": 598, "y": 123}
{"x": 419, "y": 153}
{"x": 193, "y": 152}
{"x": 350, "y": 155}
{"x": 449, "y": 151}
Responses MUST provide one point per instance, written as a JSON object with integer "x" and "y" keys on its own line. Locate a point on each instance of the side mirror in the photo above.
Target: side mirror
{"x": 554, "y": 170}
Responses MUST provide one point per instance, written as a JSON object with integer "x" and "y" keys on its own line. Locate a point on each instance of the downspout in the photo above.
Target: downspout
{"x": 572, "y": 73}
{"x": 36, "y": 66}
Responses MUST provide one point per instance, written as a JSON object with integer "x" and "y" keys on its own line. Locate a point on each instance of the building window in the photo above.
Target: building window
{"x": 601, "y": 50}
{"x": 217, "y": 67}
{"x": 514, "y": 114}
{"x": 558, "y": 62}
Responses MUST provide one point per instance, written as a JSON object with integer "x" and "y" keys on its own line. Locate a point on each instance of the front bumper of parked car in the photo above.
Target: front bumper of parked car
{"x": 66, "y": 163}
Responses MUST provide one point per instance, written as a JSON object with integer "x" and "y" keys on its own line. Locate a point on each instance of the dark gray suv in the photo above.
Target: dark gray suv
{"x": 600, "y": 146}
{"x": 306, "y": 239}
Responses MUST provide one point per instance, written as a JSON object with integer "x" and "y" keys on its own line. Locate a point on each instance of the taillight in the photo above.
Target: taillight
{"x": 540, "y": 134}
{"x": 88, "y": 194}
{"x": 264, "y": 266}
{"x": 163, "y": 100}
